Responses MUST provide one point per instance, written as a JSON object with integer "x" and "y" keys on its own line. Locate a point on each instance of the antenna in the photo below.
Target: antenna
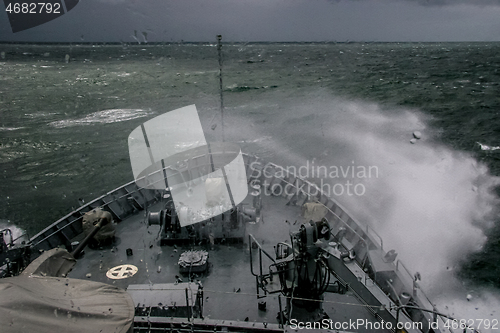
{"x": 219, "y": 49}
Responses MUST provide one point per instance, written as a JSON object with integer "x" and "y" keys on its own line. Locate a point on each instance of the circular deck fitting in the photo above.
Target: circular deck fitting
{"x": 121, "y": 272}
{"x": 191, "y": 257}
{"x": 193, "y": 261}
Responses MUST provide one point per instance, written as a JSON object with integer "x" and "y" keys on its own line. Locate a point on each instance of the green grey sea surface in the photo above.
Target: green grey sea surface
{"x": 66, "y": 112}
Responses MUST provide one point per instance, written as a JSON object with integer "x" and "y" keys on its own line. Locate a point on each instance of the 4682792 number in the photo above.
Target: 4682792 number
{"x": 34, "y": 8}
{"x": 472, "y": 324}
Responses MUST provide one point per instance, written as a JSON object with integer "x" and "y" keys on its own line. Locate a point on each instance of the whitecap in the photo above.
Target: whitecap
{"x": 15, "y": 231}
{"x": 5, "y": 129}
{"x": 485, "y": 147}
{"x": 260, "y": 139}
{"x": 40, "y": 114}
{"x": 104, "y": 117}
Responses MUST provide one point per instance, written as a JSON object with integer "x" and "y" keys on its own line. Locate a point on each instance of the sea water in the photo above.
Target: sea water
{"x": 329, "y": 110}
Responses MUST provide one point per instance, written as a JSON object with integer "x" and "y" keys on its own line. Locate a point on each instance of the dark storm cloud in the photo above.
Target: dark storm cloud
{"x": 440, "y": 2}
{"x": 269, "y": 20}
{"x": 457, "y": 2}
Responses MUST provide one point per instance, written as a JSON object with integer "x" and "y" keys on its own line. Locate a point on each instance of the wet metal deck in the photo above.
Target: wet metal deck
{"x": 229, "y": 288}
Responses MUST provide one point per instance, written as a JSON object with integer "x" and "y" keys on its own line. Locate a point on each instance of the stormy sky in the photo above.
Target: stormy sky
{"x": 268, "y": 20}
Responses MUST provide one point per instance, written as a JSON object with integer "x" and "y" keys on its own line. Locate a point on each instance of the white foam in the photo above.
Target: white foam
{"x": 16, "y": 231}
{"x": 104, "y": 117}
{"x": 5, "y": 129}
{"x": 40, "y": 114}
{"x": 429, "y": 202}
{"x": 486, "y": 147}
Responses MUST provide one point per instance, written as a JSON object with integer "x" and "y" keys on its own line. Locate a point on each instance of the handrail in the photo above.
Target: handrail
{"x": 106, "y": 204}
{"x": 361, "y": 299}
{"x": 259, "y": 284}
{"x": 399, "y": 262}
{"x": 25, "y": 235}
{"x": 61, "y": 228}
{"x": 368, "y": 228}
{"x": 8, "y": 231}
{"x": 319, "y": 191}
{"x": 13, "y": 240}
{"x": 398, "y": 299}
{"x": 260, "y": 247}
{"x": 285, "y": 171}
{"x": 248, "y": 162}
{"x": 78, "y": 210}
{"x": 420, "y": 291}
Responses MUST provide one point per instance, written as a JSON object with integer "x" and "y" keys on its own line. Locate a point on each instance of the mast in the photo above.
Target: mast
{"x": 219, "y": 49}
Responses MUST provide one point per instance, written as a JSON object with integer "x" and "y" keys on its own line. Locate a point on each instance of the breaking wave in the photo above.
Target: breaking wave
{"x": 486, "y": 147}
{"x": 6, "y": 129}
{"x": 104, "y": 117}
{"x": 430, "y": 203}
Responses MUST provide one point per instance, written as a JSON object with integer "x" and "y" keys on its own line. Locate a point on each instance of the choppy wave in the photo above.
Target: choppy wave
{"x": 15, "y": 230}
{"x": 39, "y": 114}
{"x": 104, "y": 117}
{"x": 486, "y": 147}
{"x": 238, "y": 88}
{"x": 6, "y": 129}
{"x": 430, "y": 203}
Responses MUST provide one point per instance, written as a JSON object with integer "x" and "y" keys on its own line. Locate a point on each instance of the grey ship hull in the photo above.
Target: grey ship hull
{"x": 229, "y": 290}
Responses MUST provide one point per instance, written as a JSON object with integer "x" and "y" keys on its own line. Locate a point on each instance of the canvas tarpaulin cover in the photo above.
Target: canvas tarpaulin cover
{"x": 54, "y": 262}
{"x": 55, "y": 304}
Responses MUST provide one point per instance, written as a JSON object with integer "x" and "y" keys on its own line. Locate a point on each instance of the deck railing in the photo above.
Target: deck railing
{"x": 364, "y": 234}
{"x": 129, "y": 198}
